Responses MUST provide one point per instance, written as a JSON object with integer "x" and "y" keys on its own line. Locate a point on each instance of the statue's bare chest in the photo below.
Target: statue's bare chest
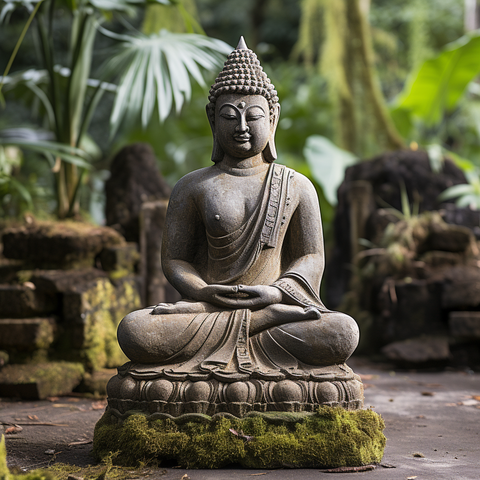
{"x": 230, "y": 202}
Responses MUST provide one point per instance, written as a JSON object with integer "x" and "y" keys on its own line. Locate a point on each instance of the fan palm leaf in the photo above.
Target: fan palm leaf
{"x": 157, "y": 70}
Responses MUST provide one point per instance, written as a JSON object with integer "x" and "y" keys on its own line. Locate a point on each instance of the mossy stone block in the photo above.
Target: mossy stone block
{"x": 91, "y": 313}
{"x": 26, "y": 334}
{"x": 23, "y": 301}
{"x": 331, "y": 437}
{"x": 65, "y": 244}
{"x": 120, "y": 258}
{"x": 36, "y": 382}
{"x": 61, "y": 281}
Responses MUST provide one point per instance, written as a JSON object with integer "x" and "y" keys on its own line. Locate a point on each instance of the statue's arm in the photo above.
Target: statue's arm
{"x": 303, "y": 247}
{"x": 183, "y": 228}
{"x": 182, "y": 239}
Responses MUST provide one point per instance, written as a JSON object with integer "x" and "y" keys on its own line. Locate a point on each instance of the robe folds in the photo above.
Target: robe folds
{"x": 264, "y": 251}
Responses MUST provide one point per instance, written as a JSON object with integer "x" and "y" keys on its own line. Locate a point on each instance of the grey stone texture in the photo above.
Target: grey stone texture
{"x": 243, "y": 245}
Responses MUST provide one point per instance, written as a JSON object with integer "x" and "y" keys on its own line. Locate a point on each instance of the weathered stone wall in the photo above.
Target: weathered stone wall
{"x": 70, "y": 307}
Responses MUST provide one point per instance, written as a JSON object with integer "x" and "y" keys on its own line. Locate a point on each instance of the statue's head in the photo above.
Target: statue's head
{"x": 243, "y": 99}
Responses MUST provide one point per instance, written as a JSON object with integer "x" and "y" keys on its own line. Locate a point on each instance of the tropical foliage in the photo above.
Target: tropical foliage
{"x": 147, "y": 73}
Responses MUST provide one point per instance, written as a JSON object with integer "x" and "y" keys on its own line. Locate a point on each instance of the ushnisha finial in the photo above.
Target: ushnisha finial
{"x": 241, "y": 44}
{"x": 242, "y": 73}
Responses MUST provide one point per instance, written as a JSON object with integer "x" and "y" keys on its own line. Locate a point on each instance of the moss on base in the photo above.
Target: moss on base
{"x": 332, "y": 437}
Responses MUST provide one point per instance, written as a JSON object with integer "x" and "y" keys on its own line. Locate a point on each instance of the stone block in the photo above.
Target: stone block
{"x": 422, "y": 350}
{"x": 36, "y": 382}
{"x": 58, "y": 244}
{"x": 461, "y": 288}
{"x": 152, "y": 221}
{"x": 449, "y": 238}
{"x": 465, "y": 324}
{"x": 60, "y": 281}
{"x": 23, "y": 301}
{"x": 465, "y": 355}
{"x": 91, "y": 314}
{"x": 120, "y": 258}
{"x": 9, "y": 270}
{"x": 4, "y": 358}
{"x": 408, "y": 309}
{"x": 27, "y": 334}
{"x": 440, "y": 259}
{"x": 96, "y": 382}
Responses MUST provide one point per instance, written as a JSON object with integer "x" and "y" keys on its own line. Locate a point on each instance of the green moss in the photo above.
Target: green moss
{"x": 103, "y": 305}
{"x": 332, "y": 437}
{"x": 6, "y": 475}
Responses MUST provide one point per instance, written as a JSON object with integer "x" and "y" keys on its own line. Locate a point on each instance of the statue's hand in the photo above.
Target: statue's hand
{"x": 216, "y": 294}
{"x": 254, "y": 297}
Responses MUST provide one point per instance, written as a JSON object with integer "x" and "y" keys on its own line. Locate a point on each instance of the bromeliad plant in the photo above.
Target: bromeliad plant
{"x": 147, "y": 73}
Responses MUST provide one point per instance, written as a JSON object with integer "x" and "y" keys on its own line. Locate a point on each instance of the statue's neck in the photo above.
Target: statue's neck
{"x": 243, "y": 166}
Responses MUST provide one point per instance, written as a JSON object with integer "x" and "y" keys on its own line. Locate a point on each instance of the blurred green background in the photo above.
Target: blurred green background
{"x": 354, "y": 77}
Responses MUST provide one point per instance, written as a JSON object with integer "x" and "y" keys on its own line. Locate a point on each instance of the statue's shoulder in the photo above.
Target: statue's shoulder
{"x": 192, "y": 182}
{"x": 298, "y": 180}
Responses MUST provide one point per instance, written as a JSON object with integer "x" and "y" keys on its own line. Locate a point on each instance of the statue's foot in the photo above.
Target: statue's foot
{"x": 183, "y": 306}
{"x": 279, "y": 314}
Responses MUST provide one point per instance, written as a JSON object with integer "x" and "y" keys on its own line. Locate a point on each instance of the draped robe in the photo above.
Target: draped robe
{"x": 264, "y": 251}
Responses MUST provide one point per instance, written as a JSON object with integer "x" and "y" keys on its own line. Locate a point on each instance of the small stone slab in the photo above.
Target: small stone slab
{"x": 9, "y": 269}
{"x": 60, "y": 281}
{"x": 449, "y": 238}
{"x": 27, "y": 334}
{"x": 58, "y": 244}
{"x": 418, "y": 350}
{"x": 465, "y": 324}
{"x": 120, "y": 258}
{"x": 36, "y": 382}
{"x": 23, "y": 301}
{"x": 461, "y": 288}
{"x": 96, "y": 382}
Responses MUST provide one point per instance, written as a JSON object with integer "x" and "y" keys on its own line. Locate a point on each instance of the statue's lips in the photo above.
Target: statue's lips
{"x": 244, "y": 138}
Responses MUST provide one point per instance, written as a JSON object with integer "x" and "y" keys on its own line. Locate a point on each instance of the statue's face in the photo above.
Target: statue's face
{"x": 242, "y": 124}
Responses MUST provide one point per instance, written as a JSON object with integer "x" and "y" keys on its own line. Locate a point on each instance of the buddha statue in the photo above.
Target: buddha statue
{"x": 243, "y": 245}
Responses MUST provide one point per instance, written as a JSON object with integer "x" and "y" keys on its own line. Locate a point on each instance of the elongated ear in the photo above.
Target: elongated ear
{"x": 217, "y": 152}
{"x": 270, "y": 152}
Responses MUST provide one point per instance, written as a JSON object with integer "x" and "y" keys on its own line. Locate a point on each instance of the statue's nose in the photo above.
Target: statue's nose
{"x": 242, "y": 126}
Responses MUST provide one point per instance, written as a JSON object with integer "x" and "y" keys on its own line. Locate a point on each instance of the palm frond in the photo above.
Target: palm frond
{"x": 156, "y": 69}
{"x": 126, "y": 6}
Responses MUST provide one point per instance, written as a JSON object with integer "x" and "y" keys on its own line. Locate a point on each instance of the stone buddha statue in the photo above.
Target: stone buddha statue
{"x": 243, "y": 245}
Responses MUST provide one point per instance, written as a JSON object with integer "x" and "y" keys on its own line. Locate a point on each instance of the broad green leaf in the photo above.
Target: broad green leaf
{"x": 456, "y": 191}
{"x": 437, "y": 86}
{"x": 470, "y": 200}
{"x": 327, "y": 163}
{"x": 402, "y": 119}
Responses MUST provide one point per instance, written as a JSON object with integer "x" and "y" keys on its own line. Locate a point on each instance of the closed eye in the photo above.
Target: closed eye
{"x": 255, "y": 117}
